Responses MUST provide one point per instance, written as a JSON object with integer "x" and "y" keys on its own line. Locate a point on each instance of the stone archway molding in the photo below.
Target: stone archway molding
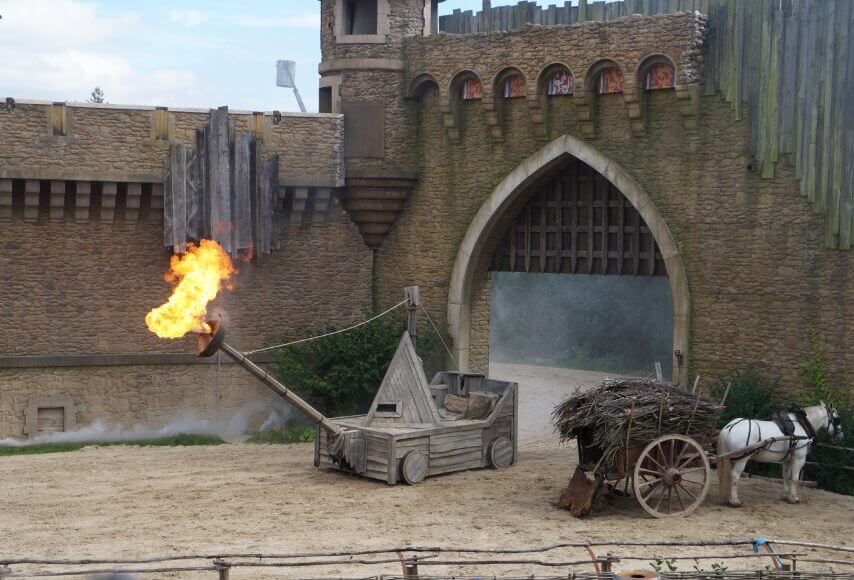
{"x": 515, "y": 184}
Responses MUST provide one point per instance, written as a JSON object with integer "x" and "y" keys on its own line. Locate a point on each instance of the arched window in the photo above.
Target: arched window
{"x": 659, "y": 76}
{"x": 609, "y": 80}
{"x": 471, "y": 89}
{"x": 513, "y": 86}
{"x": 560, "y": 82}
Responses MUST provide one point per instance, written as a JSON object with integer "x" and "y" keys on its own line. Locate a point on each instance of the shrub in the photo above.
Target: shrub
{"x": 284, "y": 435}
{"x": 182, "y": 439}
{"x": 340, "y": 374}
{"x": 749, "y": 395}
{"x": 816, "y": 377}
{"x": 752, "y": 396}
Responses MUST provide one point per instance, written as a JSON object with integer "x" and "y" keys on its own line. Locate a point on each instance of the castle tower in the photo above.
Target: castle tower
{"x": 362, "y": 71}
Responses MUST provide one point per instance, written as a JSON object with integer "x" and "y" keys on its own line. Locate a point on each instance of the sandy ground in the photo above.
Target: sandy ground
{"x": 153, "y": 501}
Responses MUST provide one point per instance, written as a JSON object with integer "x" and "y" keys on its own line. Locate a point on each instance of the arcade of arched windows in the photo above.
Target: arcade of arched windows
{"x": 604, "y": 78}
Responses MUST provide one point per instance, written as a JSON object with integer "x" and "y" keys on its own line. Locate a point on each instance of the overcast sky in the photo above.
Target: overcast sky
{"x": 190, "y": 53}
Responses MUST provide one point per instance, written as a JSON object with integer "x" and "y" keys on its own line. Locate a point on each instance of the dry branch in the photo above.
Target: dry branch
{"x": 632, "y": 411}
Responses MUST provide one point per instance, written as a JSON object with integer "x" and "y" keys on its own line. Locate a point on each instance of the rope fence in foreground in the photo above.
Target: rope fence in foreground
{"x": 409, "y": 559}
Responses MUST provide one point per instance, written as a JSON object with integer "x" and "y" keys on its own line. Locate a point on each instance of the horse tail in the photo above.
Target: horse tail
{"x": 724, "y": 468}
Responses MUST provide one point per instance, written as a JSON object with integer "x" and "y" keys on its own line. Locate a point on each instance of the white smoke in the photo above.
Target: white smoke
{"x": 189, "y": 423}
{"x": 281, "y": 417}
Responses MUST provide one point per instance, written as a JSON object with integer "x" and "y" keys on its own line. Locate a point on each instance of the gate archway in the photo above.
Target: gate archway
{"x": 649, "y": 249}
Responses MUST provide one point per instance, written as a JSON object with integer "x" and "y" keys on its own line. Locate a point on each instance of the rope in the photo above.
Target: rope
{"x": 364, "y": 322}
{"x": 439, "y": 334}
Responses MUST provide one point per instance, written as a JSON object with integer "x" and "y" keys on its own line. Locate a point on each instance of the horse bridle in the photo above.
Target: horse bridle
{"x": 833, "y": 417}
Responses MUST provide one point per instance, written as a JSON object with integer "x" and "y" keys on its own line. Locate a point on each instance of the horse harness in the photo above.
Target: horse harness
{"x": 787, "y": 427}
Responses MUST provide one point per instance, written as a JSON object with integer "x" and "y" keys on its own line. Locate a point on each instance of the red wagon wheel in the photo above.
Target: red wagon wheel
{"x": 671, "y": 476}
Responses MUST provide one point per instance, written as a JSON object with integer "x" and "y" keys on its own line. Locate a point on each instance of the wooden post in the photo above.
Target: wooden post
{"x": 223, "y": 569}
{"x": 411, "y": 568}
{"x": 413, "y": 300}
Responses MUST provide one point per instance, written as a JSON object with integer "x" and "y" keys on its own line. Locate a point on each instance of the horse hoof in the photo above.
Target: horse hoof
{"x": 793, "y": 500}
{"x": 735, "y": 504}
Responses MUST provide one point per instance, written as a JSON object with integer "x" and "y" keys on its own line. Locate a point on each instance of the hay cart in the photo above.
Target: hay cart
{"x": 413, "y": 429}
{"x": 656, "y": 438}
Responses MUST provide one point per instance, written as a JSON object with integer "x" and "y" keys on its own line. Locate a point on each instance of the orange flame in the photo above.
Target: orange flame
{"x": 199, "y": 274}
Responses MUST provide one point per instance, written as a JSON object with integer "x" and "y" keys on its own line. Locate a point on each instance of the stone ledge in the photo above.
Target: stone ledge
{"x": 111, "y": 360}
{"x": 342, "y": 64}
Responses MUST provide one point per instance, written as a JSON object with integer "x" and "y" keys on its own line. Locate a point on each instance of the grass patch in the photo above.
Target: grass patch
{"x": 173, "y": 441}
{"x": 284, "y": 436}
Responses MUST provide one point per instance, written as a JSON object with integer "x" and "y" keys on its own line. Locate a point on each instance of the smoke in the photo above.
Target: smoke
{"x": 619, "y": 324}
{"x": 281, "y": 417}
{"x": 190, "y": 423}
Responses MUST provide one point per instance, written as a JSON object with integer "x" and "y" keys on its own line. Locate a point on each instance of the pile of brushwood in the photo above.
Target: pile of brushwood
{"x": 634, "y": 411}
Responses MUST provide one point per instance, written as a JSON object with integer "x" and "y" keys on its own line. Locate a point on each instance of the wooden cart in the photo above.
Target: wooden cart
{"x": 669, "y": 476}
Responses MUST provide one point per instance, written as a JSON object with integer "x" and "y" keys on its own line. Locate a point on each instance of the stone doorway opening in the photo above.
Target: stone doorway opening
{"x": 569, "y": 211}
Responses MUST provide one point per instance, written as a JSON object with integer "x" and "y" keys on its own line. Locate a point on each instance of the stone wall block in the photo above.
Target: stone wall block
{"x": 299, "y": 203}
{"x": 322, "y": 197}
{"x": 134, "y": 196}
{"x": 57, "y": 200}
{"x": 82, "y": 201}
{"x": 108, "y": 201}
{"x": 32, "y": 188}
{"x": 5, "y": 199}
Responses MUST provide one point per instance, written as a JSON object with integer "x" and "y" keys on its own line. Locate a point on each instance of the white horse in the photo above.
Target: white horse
{"x": 742, "y": 433}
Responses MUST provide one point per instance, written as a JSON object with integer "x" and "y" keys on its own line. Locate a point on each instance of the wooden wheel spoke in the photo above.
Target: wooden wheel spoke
{"x": 691, "y": 481}
{"x": 665, "y": 455}
{"x": 693, "y": 497}
{"x": 688, "y": 461}
{"x": 660, "y": 499}
{"x": 679, "y": 497}
{"x": 651, "y": 458}
{"x": 652, "y": 491}
{"x": 646, "y": 483}
{"x": 681, "y": 453}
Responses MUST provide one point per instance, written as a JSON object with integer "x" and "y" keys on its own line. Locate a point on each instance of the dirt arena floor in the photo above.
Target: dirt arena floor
{"x": 134, "y": 502}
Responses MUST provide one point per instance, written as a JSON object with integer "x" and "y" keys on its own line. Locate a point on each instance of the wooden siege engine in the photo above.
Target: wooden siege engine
{"x": 413, "y": 429}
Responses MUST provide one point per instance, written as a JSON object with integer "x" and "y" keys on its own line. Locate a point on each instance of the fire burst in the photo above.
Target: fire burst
{"x": 197, "y": 277}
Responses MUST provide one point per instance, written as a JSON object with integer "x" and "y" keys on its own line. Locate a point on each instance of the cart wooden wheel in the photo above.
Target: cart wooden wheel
{"x": 501, "y": 453}
{"x": 414, "y": 467}
{"x": 671, "y": 476}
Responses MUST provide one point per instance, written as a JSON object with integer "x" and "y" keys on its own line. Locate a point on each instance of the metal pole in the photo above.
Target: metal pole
{"x": 299, "y": 100}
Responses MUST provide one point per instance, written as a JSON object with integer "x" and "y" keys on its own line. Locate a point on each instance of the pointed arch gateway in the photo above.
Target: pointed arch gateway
{"x": 481, "y": 244}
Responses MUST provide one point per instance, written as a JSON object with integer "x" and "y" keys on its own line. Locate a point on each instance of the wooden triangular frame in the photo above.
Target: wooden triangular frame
{"x": 406, "y": 386}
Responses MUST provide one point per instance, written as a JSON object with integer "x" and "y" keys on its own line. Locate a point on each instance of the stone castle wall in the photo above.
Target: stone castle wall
{"x": 758, "y": 272}
{"x": 79, "y": 286}
{"x": 79, "y": 289}
{"x": 121, "y": 143}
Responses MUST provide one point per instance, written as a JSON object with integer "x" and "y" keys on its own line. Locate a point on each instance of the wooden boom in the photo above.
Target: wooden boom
{"x": 209, "y": 343}
{"x": 281, "y": 390}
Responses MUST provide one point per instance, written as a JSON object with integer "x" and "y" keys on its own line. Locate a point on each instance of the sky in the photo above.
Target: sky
{"x": 178, "y": 53}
